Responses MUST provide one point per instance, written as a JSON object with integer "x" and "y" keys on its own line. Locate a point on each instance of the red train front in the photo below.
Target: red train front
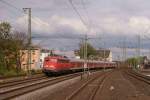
{"x": 55, "y": 64}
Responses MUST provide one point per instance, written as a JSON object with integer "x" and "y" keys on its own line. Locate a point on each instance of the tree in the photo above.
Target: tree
{"x": 91, "y": 51}
{"x": 5, "y": 28}
{"x": 134, "y": 61}
{"x": 19, "y": 42}
{"x": 11, "y": 44}
{"x": 5, "y": 44}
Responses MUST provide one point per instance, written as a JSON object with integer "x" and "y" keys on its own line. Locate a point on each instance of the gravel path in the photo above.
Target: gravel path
{"x": 116, "y": 86}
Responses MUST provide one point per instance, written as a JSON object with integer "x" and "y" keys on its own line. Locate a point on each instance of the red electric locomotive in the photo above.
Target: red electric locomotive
{"x": 59, "y": 64}
{"x": 55, "y": 64}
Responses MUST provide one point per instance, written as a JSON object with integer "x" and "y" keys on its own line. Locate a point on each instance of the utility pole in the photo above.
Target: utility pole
{"x": 149, "y": 53}
{"x": 139, "y": 49}
{"x": 85, "y": 54}
{"x": 139, "y": 46}
{"x": 124, "y": 50}
{"x": 104, "y": 52}
{"x": 104, "y": 56}
{"x": 28, "y": 11}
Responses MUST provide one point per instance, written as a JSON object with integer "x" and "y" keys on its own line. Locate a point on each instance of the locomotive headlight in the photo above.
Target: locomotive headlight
{"x": 52, "y": 66}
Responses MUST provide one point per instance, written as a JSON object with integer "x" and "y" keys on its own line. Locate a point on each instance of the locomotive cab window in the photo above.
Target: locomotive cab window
{"x": 46, "y": 59}
{"x": 50, "y": 60}
{"x": 63, "y": 61}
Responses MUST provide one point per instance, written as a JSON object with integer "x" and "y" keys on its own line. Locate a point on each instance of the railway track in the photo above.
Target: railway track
{"x": 138, "y": 76}
{"x": 98, "y": 86}
{"x": 22, "y": 81}
{"x": 13, "y": 90}
{"x": 18, "y": 79}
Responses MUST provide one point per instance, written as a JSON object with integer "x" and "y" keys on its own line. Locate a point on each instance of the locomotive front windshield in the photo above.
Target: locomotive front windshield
{"x": 51, "y": 60}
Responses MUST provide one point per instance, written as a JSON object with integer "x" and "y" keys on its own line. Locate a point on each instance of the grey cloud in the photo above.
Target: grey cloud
{"x": 99, "y": 11}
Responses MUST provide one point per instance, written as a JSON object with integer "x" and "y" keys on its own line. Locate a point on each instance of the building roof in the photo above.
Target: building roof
{"x": 46, "y": 51}
{"x": 104, "y": 53}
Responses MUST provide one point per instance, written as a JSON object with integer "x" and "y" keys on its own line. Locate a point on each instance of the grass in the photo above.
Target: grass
{"x": 14, "y": 73}
{"x": 10, "y": 73}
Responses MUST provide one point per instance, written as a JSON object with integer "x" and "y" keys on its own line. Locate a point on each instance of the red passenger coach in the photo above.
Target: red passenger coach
{"x": 59, "y": 64}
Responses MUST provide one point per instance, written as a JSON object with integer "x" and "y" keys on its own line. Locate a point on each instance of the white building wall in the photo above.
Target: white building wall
{"x": 110, "y": 57}
{"x": 42, "y": 56}
{"x": 35, "y": 57}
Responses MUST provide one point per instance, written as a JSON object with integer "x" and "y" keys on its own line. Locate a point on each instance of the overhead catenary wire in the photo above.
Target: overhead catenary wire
{"x": 14, "y": 14}
{"x": 85, "y": 39}
{"x": 77, "y": 12}
{"x": 19, "y": 10}
{"x": 88, "y": 18}
{"x": 11, "y": 5}
{"x": 87, "y": 14}
{"x": 34, "y": 18}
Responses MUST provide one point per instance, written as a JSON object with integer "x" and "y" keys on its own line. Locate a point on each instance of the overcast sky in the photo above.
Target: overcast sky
{"x": 108, "y": 22}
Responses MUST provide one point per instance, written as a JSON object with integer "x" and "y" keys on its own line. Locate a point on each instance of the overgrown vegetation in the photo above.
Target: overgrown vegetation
{"x": 135, "y": 61}
{"x": 91, "y": 51}
{"x": 10, "y": 45}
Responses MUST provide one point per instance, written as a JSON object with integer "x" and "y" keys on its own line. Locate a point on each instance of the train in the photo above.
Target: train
{"x": 58, "y": 64}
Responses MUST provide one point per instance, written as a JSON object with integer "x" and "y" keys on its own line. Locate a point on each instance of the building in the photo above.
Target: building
{"x": 145, "y": 63}
{"x": 35, "y": 59}
{"x": 104, "y": 55}
{"x": 101, "y": 54}
{"x": 44, "y": 53}
{"x": 69, "y": 54}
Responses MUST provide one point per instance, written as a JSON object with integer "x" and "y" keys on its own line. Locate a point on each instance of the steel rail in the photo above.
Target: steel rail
{"x": 18, "y": 80}
{"x": 21, "y": 82}
{"x": 32, "y": 87}
{"x": 99, "y": 87}
{"x": 76, "y": 92}
{"x": 138, "y": 76}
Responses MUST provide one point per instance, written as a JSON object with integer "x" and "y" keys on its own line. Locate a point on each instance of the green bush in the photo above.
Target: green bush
{"x": 11, "y": 72}
{"x": 2, "y": 70}
{"x": 14, "y": 72}
{"x": 33, "y": 72}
